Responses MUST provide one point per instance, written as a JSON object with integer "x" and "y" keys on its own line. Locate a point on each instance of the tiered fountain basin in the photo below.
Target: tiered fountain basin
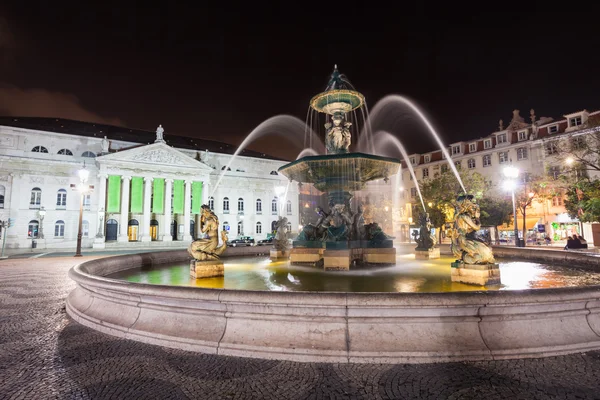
{"x": 341, "y": 326}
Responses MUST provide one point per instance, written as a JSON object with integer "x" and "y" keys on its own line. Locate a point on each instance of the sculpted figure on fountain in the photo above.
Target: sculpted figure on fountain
{"x": 208, "y": 248}
{"x": 338, "y": 137}
{"x": 465, "y": 246}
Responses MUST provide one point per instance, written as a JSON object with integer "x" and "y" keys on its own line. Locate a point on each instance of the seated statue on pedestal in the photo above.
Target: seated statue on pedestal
{"x": 425, "y": 240}
{"x": 208, "y": 248}
{"x": 465, "y": 247}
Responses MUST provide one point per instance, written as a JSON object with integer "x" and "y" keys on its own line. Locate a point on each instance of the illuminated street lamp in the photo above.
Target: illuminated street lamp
{"x": 512, "y": 173}
{"x": 84, "y": 174}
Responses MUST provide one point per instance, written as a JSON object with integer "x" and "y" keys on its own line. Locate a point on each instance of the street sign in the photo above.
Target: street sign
{"x": 541, "y": 228}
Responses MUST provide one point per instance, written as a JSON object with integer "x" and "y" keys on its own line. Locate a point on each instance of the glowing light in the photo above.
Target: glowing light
{"x": 569, "y": 161}
{"x": 511, "y": 172}
{"x": 510, "y": 185}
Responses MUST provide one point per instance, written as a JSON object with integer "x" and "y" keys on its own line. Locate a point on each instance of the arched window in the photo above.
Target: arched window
{"x": 39, "y": 149}
{"x": 65, "y": 152}
{"x": 36, "y": 198}
{"x": 274, "y": 206}
{"x": 59, "y": 228}
{"x": 211, "y": 203}
{"x": 273, "y": 173}
{"x": 2, "y": 194}
{"x": 88, "y": 154}
{"x": 240, "y": 206}
{"x": 61, "y": 199}
{"x": 258, "y": 228}
{"x": 240, "y": 230}
{"x": 223, "y": 168}
{"x": 288, "y": 207}
{"x": 226, "y": 204}
{"x": 258, "y": 206}
{"x": 85, "y": 228}
{"x": 32, "y": 228}
{"x": 226, "y": 226}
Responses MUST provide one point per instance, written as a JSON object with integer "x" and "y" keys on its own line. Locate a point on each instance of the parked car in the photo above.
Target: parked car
{"x": 241, "y": 241}
{"x": 265, "y": 242}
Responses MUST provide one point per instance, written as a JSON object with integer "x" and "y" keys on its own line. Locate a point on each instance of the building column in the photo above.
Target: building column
{"x": 187, "y": 211}
{"x": 100, "y": 235}
{"x": 205, "y": 192}
{"x": 166, "y": 229}
{"x": 126, "y": 180}
{"x": 147, "y": 212}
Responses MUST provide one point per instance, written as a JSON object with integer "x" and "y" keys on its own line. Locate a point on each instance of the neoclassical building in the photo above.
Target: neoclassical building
{"x": 144, "y": 189}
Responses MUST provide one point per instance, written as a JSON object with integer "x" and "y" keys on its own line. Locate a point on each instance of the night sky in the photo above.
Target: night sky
{"x": 217, "y": 72}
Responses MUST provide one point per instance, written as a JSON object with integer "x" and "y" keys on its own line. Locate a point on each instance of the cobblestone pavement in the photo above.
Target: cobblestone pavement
{"x": 45, "y": 355}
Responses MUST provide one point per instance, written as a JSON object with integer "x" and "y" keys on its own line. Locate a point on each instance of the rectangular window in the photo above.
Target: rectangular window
{"x": 444, "y": 168}
{"x": 412, "y": 161}
{"x": 503, "y": 157}
{"x": 522, "y": 135}
{"x": 258, "y": 228}
{"x": 522, "y": 153}
{"x": 578, "y": 143}
{"x": 425, "y": 172}
{"x": 288, "y": 209}
{"x": 413, "y": 192}
{"x": 240, "y": 206}
{"x": 575, "y": 121}
{"x": 551, "y": 148}
{"x": 487, "y": 144}
{"x": 258, "y": 207}
{"x": 455, "y": 150}
{"x": 557, "y": 201}
{"x": 458, "y": 164}
{"x": 471, "y": 163}
{"x": 427, "y": 158}
{"x": 87, "y": 200}
{"x": 553, "y": 129}
{"x": 226, "y": 205}
{"x": 501, "y": 138}
{"x": 472, "y": 147}
{"x": 487, "y": 160}
{"x": 61, "y": 199}
{"x": 59, "y": 230}
{"x": 554, "y": 172}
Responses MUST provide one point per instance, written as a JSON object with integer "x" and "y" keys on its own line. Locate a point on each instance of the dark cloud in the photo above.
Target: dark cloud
{"x": 19, "y": 102}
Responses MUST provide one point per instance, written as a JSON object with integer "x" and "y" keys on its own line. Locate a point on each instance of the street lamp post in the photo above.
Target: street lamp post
{"x": 512, "y": 173}
{"x": 83, "y": 177}
{"x": 41, "y": 213}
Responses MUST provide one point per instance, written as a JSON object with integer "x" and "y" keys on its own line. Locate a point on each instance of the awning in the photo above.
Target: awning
{"x": 530, "y": 223}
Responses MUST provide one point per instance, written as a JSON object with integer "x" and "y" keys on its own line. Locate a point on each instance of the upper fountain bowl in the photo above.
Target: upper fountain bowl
{"x": 348, "y": 171}
{"x": 337, "y": 100}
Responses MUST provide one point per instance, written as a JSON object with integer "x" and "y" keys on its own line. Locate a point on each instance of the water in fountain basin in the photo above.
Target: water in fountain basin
{"x": 388, "y": 106}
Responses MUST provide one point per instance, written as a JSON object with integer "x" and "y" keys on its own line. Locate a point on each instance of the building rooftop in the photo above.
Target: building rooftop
{"x": 92, "y": 129}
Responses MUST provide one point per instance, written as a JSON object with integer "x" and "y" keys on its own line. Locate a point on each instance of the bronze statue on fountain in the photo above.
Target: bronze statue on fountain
{"x": 426, "y": 240}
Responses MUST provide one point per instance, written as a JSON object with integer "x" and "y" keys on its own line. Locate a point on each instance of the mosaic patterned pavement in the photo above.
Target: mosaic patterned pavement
{"x": 45, "y": 355}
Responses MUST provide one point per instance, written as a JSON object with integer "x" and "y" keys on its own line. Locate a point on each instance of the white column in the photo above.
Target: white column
{"x": 187, "y": 212}
{"x": 167, "y": 237}
{"x": 205, "y": 190}
{"x": 147, "y": 200}
{"x": 101, "y": 208}
{"x": 126, "y": 180}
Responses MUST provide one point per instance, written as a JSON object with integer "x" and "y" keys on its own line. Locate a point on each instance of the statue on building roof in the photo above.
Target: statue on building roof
{"x": 159, "y": 134}
{"x": 501, "y": 125}
{"x": 105, "y": 144}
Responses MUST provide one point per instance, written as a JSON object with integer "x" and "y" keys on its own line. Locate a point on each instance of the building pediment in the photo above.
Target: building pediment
{"x": 156, "y": 154}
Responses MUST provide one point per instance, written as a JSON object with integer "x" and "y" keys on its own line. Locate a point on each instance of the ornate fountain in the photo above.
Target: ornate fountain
{"x": 340, "y": 238}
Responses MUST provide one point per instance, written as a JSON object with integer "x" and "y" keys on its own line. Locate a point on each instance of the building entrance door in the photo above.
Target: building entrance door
{"x": 112, "y": 229}
{"x": 154, "y": 230}
{"x": 132, "y": 230}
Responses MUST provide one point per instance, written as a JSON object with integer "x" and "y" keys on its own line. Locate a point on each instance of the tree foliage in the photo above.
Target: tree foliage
{"x": 583, "y": 200}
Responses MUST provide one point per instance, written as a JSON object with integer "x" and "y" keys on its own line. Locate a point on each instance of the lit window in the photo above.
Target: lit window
{"x": 557, "y": 201}
{"x": 59, "y": 229}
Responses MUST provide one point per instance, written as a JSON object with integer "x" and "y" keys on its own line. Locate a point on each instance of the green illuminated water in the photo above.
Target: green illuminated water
{"x": 408, "y": 275}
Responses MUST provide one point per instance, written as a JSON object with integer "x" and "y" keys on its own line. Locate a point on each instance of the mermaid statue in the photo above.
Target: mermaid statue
{"x": 466, "y": 247}
{"x": 208, "y": 248}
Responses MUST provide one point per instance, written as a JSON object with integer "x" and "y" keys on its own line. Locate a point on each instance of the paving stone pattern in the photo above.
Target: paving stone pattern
{"x": 46, "y": 355}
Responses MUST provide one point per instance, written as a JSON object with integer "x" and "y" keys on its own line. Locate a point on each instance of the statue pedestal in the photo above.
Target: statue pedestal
{"x": 310, "y": 256}
{"x": 337, "y": 260}
{"x": 427, "y": 254}
{"x": 277, "y": 254}
{"x": 475, "y": 274}
{"x": 206, "y": 269}
{"x": 379, "y": 255}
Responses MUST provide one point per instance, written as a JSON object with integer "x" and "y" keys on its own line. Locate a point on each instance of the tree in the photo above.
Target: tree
{"x": 583, "y": 200}
{"x": 533, "y": 188}
{"x": 440, "y": 193}
{"x": 495, "y": 211}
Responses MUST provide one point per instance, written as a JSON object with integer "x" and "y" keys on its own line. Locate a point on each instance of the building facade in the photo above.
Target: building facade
{"x": 529, "y": 146}
{"x": 144, "y": 189}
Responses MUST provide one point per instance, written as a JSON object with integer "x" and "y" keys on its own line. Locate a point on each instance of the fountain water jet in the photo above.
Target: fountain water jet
{"x": 279, "y": 124}
{"x": 397, "y": 99}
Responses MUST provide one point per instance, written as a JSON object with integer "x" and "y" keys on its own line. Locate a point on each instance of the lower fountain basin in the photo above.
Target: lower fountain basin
{"x": 338, "y": 327}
